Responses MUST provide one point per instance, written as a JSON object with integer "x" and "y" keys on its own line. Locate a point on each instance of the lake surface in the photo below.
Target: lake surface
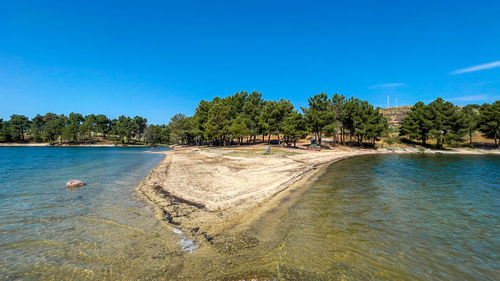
{"x": 385, "y": 217}
{"x": 391, "y": 217}
{"x": 50, "y": 232}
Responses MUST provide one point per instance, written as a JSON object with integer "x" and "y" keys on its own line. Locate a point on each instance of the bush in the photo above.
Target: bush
{"x": 392, "y": 139}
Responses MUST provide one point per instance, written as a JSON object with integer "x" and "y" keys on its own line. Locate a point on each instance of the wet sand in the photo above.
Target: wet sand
{"x": 207, "y": 190}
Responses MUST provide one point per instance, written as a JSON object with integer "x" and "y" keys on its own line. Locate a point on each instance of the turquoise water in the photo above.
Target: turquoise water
{"x": 50, "y": 232}
{"x": 384, "y": 217}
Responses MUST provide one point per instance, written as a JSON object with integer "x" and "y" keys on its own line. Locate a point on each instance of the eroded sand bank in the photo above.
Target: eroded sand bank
{"x": 208, "y": 191}
{"x": 204, "y": 190}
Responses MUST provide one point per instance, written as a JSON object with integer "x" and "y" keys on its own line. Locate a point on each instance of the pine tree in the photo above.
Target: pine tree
{"x": 319, "y": 114}
{"x": 489, "y": 124}
{"x": 471, "y": 121}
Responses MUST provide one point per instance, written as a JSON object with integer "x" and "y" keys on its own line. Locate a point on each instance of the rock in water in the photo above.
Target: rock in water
{"x": 74, "y": 183}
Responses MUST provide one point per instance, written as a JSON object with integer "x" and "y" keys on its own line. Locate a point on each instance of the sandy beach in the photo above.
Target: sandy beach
{"x": 206, "y": 190}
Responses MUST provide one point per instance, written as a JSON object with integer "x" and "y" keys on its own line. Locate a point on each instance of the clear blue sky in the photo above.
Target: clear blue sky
{"x": 158, "y": 58}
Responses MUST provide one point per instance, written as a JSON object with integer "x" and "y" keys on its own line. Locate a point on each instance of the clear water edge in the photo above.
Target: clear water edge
{"x": 349, "y": 226}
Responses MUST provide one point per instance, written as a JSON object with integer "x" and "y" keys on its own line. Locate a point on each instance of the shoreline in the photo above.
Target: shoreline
{"x": 209, "y": 191}
{"x": 71, "y": 145}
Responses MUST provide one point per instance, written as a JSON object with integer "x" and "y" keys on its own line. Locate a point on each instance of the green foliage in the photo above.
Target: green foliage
{"x": 362, "y": 120}
{"x": 417, "y": 124}
{"x": 489, "y": 120}
{"x": 440, "y": 120}
{"x": 239, "y": 129}
{"x": 392, "y": 139}
{"x": 319, "y": 114}
{"x": 125, "y": 128}
{"x": 471, "y": 120}
{"x": 53, "y": 127}
{"x": 5, "y": 135}
{"x": 18, "y": 124}
{"x": 219, "y": 120}
{"x": 35, "y": 133}
{"x": 155, "y": 134}
{"x": 180, "y": 125}
{"x": 243, "y": 115}
{"x": 295, "y": 127}
{"x": 74, "y": 128}
{"x": 251, "y": 111}
{"x": 103, "y": 124}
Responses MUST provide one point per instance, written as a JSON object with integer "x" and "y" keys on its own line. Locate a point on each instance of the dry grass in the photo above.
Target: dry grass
{"x": 260, "y": 153}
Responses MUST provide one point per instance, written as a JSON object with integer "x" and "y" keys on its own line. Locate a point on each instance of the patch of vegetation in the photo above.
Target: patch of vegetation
{"x": 256, "y": 153}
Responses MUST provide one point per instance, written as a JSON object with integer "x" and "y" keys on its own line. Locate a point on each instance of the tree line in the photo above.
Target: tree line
{"x": 248, "y": 118}
{"x": 245, "y": 118}
{"x": 447, "y": 123}
{"x": 76, "y": 128}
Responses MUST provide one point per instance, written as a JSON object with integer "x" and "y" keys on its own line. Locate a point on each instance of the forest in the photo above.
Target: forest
{"x": 444, "y": 122}
{"x": 245, "y": 118}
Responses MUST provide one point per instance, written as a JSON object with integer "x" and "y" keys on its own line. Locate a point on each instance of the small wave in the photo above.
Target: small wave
{"x": 113, "y": 223}
{"x": 34, "y": 243}
{"x": 187, "y": 245}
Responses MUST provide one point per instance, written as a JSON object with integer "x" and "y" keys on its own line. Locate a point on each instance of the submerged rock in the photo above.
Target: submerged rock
{"x": 74, "y": 183}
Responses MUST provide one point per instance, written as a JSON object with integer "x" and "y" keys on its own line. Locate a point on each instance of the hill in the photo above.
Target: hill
{"x": 395, "y": 114}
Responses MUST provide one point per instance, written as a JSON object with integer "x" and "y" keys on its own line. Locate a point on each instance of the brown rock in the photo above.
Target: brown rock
{"x": 74, "y": 183}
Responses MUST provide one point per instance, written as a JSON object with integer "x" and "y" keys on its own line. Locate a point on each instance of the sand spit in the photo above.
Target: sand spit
{"x": 203, "y": 190}
{"x": 209, "y": 191}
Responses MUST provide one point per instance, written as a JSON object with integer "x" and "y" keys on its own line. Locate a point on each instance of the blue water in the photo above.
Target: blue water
{"x": 383, "y": 217}
{"x": 396, "y": 217}
{"x": 48, "y": 231}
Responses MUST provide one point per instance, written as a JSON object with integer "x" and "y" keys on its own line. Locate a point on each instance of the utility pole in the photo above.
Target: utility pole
{"x": 387, "y": 101}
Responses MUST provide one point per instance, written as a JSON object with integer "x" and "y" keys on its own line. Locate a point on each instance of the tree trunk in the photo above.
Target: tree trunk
{"x": 319, "y": 137}
{"x": 269, "y": 139}
{"x": 279, "y": 140}
{"x": 470, "y": 138}
{"x": 294, "y": 142}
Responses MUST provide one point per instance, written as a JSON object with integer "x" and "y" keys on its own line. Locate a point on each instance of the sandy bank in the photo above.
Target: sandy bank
{"x": 207, "y": 191}
{"x": 203, "y": 189}
{"x": 23, "y": 144}
{"x": 206, "y": 188}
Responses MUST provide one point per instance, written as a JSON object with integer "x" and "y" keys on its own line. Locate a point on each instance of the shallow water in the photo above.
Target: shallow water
{"x": 385, "y": 217}
{"x": 102, "y": 230}
{"x": 391, "y": 217}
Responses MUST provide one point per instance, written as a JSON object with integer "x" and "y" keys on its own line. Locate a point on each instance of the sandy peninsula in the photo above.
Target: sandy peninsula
{"x": 205, "y": 190}
{"x": 208, "y": 189}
